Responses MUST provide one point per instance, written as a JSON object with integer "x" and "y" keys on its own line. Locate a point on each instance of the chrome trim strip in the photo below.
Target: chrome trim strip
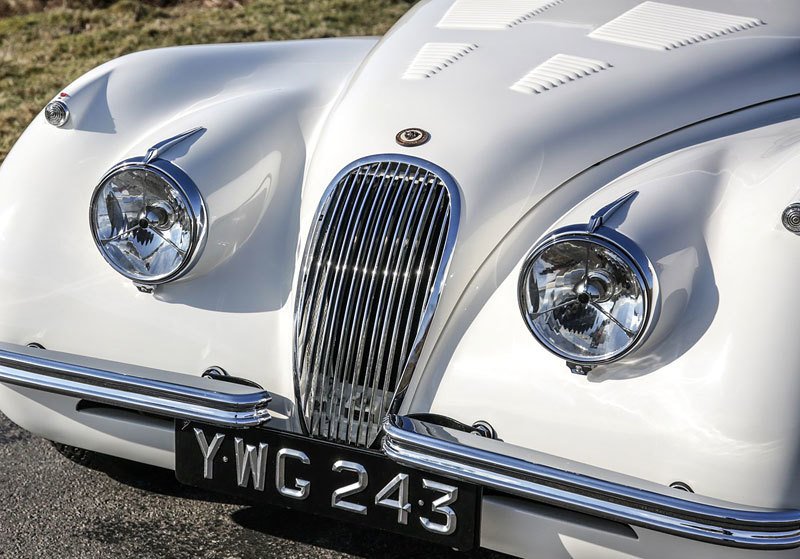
{"x": 163, "y": 146}
{"x": 602, "y": 215}
{"x": 165, "y": 393}
{"x": 526, "y": 474}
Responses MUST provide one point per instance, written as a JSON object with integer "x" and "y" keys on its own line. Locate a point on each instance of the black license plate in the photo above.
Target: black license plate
{"x": 279, "y": 468}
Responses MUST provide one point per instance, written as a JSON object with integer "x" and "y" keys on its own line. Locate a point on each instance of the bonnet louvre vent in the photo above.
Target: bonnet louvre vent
{"x": 492, "y": 14}
{"x": 432, "y": 58}
{"x": 558, "y": 70}
{"x": 653, "y": 25}
{"x": 372, "y": 271}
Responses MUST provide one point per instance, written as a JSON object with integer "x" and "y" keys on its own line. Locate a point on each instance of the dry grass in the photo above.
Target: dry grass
{"x": 21, "y": 7}
{"x": 49, "y": 43}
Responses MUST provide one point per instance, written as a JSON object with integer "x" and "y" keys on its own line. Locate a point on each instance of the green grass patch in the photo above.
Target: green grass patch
{"x": 52, "y": 43}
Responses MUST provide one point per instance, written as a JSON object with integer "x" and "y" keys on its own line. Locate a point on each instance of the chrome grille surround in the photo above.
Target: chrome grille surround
{"x": 374, "y": 266}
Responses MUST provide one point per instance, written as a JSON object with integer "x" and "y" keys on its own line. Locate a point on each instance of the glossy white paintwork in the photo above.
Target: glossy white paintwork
{"x": 691, "y": 404}
{"x": 261, "y": 105}
{"x": 711, "y": 400}
{"x": 537, "y": 531}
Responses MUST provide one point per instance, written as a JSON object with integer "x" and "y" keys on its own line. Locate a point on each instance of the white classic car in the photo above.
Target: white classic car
{"x": 520, "y": 274}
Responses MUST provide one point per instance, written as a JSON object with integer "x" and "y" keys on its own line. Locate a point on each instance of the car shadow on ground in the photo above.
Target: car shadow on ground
{"x": 282, "y": 523}
{"x": 344, "y": 537}
{"x": 150, "y": 478}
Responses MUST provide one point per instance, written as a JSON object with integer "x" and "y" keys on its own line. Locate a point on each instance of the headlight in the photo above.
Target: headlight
{"x": 148, "y": 220}
{"x": 585, "y": 297}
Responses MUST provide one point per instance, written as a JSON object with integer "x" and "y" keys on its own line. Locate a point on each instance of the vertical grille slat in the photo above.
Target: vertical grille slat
{"x": 313, "y": 272}
{"x": 413, "y": 311}
{"x": 332, "y": 341}
{"x": 378, "y": 249}
{"x": 400, "y": 283}
{"x": 351, "y": 369}
{"x": 343, "y": 352}
{"x": 393, "y": 243}
{"x": 366, "y": 326}
{"x": 384, "y": 371}
{"x": 326, "y": 260}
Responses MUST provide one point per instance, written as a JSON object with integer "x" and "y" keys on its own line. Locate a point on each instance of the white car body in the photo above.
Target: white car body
{"x": 705, "y": 128}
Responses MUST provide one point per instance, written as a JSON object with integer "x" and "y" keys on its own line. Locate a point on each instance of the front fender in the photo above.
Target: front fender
{"x": 262, "y": 106}
{"x": 710, "y": 399}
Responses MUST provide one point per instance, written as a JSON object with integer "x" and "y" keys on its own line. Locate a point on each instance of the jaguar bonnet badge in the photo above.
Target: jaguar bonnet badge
{"x": 412, "y": 137}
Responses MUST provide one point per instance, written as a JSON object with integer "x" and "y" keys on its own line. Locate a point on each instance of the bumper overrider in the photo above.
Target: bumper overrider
{"x": 463, "y": 456}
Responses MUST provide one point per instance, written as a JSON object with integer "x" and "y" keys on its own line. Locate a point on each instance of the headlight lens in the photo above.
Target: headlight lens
{"x": 145, "y": 224}
{"x": 584, "y": 298}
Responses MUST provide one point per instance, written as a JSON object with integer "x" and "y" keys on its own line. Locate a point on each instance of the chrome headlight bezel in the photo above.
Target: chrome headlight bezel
{"x": 623, "y": 247}
{"x": 191, "y": 197}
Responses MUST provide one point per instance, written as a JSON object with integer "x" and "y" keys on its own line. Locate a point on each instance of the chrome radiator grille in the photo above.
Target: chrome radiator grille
{"x": 372, "y": 271}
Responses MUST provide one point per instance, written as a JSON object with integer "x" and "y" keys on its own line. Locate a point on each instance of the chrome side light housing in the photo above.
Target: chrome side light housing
{"x": 56, "y": 113}
{"x": 791, "y": 218}
{"x": 586, "y": 294}
{"x": 148, "y": 220}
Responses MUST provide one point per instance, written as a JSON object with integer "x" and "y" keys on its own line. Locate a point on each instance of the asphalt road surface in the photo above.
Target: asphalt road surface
{"x": 51, "y": 507}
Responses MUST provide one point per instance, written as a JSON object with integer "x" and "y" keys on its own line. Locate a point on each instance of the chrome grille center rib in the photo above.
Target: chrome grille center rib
{"x": 373, "y": 268}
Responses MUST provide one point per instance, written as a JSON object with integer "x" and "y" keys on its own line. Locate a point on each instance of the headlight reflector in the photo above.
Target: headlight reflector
{"x": 147, "y": 223}
{"x": 585, "y": 298}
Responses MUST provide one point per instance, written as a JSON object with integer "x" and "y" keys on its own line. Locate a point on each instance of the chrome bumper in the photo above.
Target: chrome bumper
{"x": 544, "y": 478}
{"x": 164, "y": 393}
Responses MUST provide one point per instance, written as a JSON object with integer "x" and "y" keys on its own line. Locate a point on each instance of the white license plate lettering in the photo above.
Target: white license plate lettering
{"x": 400, "y": 485}
{"x": 302, "y": 487}
{"x": 337, "y": 497}
{"x": 418, "y": 504}
{"x": 250, "y": 462}
{"x": 209, "y": 451}
{"x": 440, "y": 506}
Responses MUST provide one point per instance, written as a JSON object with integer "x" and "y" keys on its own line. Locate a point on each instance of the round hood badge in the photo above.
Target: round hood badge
{"x": 412, "y": 137}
